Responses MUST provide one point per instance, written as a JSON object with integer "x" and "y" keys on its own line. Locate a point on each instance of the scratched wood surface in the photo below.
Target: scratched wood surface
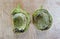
{"x": 6, "y": 25}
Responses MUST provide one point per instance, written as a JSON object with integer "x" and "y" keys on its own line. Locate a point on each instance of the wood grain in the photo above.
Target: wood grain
{"x": 6, "y": 24}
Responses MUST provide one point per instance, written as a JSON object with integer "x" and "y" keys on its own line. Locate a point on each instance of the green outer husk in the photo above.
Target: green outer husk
{"x": 19, "y": 10}
{"x": 38, "y": 12}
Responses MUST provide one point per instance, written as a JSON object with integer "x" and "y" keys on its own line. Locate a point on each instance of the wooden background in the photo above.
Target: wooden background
{"x": 6, "y": 6}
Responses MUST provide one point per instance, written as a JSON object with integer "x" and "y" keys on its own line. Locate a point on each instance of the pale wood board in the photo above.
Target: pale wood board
{"x": 6, "y": 25}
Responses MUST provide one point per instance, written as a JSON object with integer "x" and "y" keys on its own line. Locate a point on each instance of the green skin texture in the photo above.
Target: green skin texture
{"x": 42, "y": 19}
{"x": 21, "y": 20}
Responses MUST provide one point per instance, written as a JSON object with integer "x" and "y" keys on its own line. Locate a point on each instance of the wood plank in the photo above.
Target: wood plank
{"x": 6, "y": 30}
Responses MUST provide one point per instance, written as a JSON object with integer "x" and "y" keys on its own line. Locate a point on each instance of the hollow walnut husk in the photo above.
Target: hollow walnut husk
{"x": 42, "y": 19}
{"x": 21, "y": 20}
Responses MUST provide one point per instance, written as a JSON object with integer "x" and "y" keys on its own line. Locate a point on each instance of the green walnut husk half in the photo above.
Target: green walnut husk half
{"x": 21, "y": 20}
{"x": 42, "y": 19}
